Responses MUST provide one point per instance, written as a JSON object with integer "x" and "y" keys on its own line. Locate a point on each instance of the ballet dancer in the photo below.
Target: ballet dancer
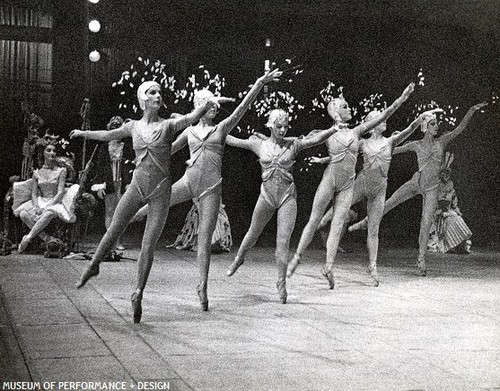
{"x": 277, "y": 192}
{"x": 151, "y": 183}
{"x": 337, "y": 183}
{"x": 425, "y": 181}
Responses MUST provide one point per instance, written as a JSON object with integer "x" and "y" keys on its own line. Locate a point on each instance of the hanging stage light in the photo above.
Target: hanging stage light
{"x": 94, "y": 56}
{"x": 94, "y": 1}
{"x": 94, "y": 26}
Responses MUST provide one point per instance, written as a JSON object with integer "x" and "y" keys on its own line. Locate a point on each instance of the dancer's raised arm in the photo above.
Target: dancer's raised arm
{"x": 446, "y": 138}
{"x": 230, "y": 122}
{"x": 183, "y": 121}
{"x": 315, "y": 137}
{"x": 103, "y": 135}
{"x": 366, "y": 126}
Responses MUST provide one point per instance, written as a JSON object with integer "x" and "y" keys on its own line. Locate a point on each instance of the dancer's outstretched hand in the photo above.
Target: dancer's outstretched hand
{"x": 429, "y": 113}
{"x": 408, "y": 90}
{"x": 273, "y": 75}
{"x": 217, "y": 100}
{"x": 478, "y": 106}
{"x": 76, "y": 133}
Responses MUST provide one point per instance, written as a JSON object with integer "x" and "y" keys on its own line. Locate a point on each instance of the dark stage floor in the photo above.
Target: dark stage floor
{"x": 440, "y": 332}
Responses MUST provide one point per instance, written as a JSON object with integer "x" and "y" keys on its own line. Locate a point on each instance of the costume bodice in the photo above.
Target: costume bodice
{"x": 343, "y": 145}
{"x": 204, "y": 150}
{"x": 377, "y": 156}
{"x": 155, "y": 149}
{"x": 48, "y": 181}
{"x": 279, "y": 161}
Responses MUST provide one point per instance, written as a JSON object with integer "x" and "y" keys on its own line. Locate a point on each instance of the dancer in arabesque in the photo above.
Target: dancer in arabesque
{"x": 425, "y": 181}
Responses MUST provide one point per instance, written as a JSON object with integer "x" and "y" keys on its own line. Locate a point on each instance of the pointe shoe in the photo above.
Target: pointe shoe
{"x": 363, "y": 224}
{"x": 372, "y": 270}
{"x": 92, "y": 271}
{"x": 136, "y": 299}
{"x": 422, "y": 270}
{"x": 281, "y": 286}
{"x": 202, "y": 295}
{"x": 24, "y": 244}
{"x": 328, "y": 273}
{"x": 292, "y": 265}
{"x": 234, "y": 266}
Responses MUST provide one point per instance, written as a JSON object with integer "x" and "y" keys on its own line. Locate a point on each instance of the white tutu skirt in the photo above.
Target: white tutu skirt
{"x": 65, "y": 210}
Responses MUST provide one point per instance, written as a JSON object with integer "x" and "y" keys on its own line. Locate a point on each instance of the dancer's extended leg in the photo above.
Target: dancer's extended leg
{"x": 260, "y": 217}
{"x": 404, "y": 193}
{"x": 375, "y": 208}
{"x": 286, "y": 222}
{"x": 157, "y": 216}
{"x": 209, "y": 208}
{"x": 321, "y": 199}
{"x": 340, "y": 214}
{"x": 429, "y": 205}
{"x": 130, "y": 203}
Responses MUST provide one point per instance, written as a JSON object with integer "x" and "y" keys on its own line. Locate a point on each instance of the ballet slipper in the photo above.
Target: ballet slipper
{"x": 360, "y": 225}
{"x": 372, "y": 270}
{"x": 292, "y": 265}
{"x": 24, "y": 244}
{"x": 92, "y": 271}
{"x": 235, "y": 265}
{"x": 202, "y": 295}
{"x": 327, "y": 271}
{"x": 136, "y": 300}
{"x": 281, "y": 286}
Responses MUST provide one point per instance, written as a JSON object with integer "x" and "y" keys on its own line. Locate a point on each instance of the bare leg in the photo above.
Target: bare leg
{"x": 37, "y": 228}
{"x": 375, "y": 213}
{"x": 321, "y": 199}
{"x": 340, "y": 214}
{"x": 28, "y": 220}
{"x": 261, "y": 216}
{"x": 429, "y": 206}
{"x": 208, "y": 209}
{"x": 286, "y": 222}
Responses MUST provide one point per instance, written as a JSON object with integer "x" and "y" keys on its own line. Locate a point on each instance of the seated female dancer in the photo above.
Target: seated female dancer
{"x": 371, "y": 182}
{"x": 430, "y": 151}
{"x": 277, "y": 192}
{"x": 202, "y": 179}
{"x": 46, "y": 199}
{"x": 338, "y": 179}
{"x": 152, "y": 140}
{"x": 451, "y": 233}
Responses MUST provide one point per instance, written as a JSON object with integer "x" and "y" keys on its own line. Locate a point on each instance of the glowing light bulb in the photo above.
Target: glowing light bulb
{"x": 94, "y": 26}
{"x": 94, "y": 56}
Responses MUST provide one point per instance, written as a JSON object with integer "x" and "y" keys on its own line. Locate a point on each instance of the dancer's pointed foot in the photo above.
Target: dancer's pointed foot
{"x": 422, "y": 270}
{"x": 136, "y": 299}
{"x": 202, "y": 295}
{"x": 292, "y": 265}
{"x": 372, "y": 270}
{"x": 24, "y": 244}
{"x": 92, "y": 271}
{"x": 363, "y": 224}
{"x": 281, "y": 286}
{"x": 327, "y": 271}
{"x": 234, "y": 266}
